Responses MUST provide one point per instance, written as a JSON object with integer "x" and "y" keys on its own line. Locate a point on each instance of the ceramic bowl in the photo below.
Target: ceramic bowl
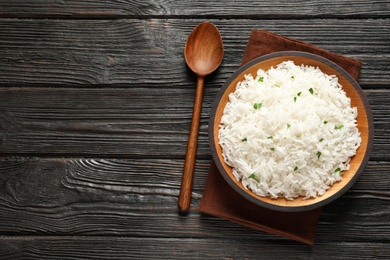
{"x": 364, "y": 122}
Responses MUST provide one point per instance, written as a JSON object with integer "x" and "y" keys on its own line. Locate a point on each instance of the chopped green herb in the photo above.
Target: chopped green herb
{"x": 299, "y": 93}
{"x": 311, "y": 91}
{"x": 261, "y": 79}
{"x": 288, "y": 125}
{"x": 253, "y": 176}
{"x": 325, "y": 122}
{"x": 270, "y": 137}
{"x": 337, "y": 127}
{"x": 318, "y": 154}
{"x": 295, "y": 99}
{"x": 297, "y": 190}
{"x": 296, "y": 168}
{"x": 276, "y": 85}
{"x": 244, "y": 140}
{"x": 292, "y": 77}
{"x": 337, "y": 170}
{"x": 272, "y": 149}
{"x": 257, "y": 105}
{"x": 322, "y": 139}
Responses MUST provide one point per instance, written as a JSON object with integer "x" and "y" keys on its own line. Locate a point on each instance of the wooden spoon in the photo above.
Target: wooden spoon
{"x": 203, "y": 53}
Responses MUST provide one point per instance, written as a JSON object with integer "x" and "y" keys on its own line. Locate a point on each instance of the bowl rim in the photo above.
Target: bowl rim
{"x": 299, "y": 208}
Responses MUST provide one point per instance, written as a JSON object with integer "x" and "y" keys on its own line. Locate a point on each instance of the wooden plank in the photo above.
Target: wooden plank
{"x": 143, "y": 53}
{"x": 183, "y": 248}
{"x": 129, "y": 122}
{"x": 198, "y": 8}
{"x": 139, "y": 198}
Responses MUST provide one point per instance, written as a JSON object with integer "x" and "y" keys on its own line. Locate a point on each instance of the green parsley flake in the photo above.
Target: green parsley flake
{"x": 337, "y": 127}
{"x": 337, "y": 170}
{"x": 292, "y": 77}
{"x": 296, "y": 168}
{"x": 311, "y": 91}
{"x": 318, "y": 154}
{"x": 295, "y": 99}
{"x": 276, "y": 85}
{"x": 272, "y": 149}
{"x": 244, "y": 140}
{"x": 261, "y": 79}
{"x": 253, "y": 176}
{"x": 257, "y": 105}
{"x": 299, "y": 93}
{"x": 270, "y": 137}
{"x": 288, "y": 125}
{"x": 325, "y": 122}
{"x": 322, "y": 139}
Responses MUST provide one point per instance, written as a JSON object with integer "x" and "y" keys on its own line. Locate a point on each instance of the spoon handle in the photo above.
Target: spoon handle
{"x": 188, "y": 173}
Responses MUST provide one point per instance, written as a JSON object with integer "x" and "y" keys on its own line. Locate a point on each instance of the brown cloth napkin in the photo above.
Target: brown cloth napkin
{"x": 220, "y": 200}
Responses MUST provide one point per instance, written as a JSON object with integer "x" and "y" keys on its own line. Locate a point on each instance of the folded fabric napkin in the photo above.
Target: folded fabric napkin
{"x": 220, "y": 200}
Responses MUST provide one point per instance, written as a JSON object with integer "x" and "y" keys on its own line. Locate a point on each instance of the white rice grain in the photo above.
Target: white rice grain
{"x": 289, "y": 132}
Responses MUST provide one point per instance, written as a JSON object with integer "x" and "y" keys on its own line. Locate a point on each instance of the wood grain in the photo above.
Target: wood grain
{"x": 199, "y": 8}
{"x": 135, "y": 53}
{"x": 95, "y": 107}
{"x": 128, "y": 122}
{"x": 179, "y": 248}
{"x": 139, "y": 198}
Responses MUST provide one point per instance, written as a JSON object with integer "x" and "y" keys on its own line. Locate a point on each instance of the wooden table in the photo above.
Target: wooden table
{"x": 95, "y": 107}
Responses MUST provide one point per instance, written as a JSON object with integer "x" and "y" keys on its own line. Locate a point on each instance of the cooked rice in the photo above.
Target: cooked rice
{"x": 289, "y": 132}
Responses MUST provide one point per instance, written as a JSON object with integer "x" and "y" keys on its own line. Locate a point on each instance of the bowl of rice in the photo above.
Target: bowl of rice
{"x": 291, "y": 131}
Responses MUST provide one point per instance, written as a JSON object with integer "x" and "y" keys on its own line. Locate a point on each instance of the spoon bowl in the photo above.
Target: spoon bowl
{"x": 203, "y": 53}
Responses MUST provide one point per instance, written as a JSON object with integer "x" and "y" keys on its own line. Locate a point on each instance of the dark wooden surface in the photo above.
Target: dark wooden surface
{"x": 95, "y": 108}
